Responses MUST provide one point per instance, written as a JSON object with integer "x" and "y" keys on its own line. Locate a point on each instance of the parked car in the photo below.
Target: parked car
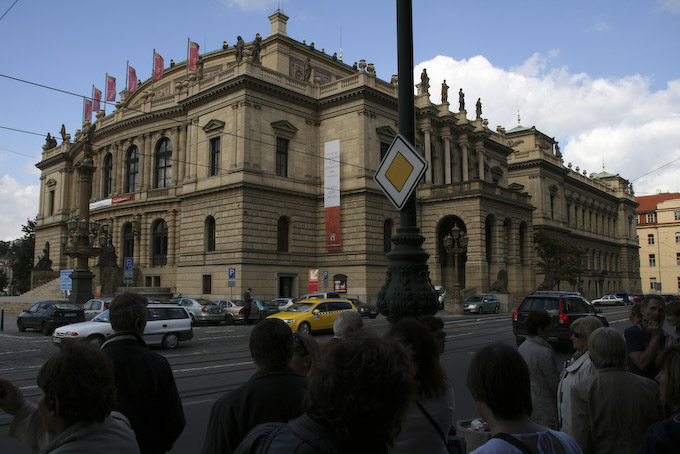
{"x": 166, "y": 325}
{"x": 478, "y": 304}
{"x": 232, "y": 310}
{"x": 608, "y": 300}
{"x": 261, "y": 309}
{"x": 314, "y": 314}
{"x": 366, "y": 310}
{"x": 318, "y": 295}
{"x": 94, "y": 307}
{"x": 283, "y": 303}
{"x": 201, "y": 310}
{"x": 442, "y": 296}
{"x": 564, "y": 308}
{"x": 48, "y": 315}
{"x": 637, "y": 297}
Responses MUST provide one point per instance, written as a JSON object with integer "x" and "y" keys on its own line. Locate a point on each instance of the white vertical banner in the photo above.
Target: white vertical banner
{"x": 331, "y": 195}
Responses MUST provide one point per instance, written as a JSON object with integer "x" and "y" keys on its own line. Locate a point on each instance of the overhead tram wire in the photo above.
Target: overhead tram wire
{"x": 179, "y": 122}
{"x": 11, "y": 6}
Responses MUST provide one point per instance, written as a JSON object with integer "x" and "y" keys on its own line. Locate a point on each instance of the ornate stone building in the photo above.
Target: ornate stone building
{"x": 595, "y": 212}
{"x": 233, "y": 167}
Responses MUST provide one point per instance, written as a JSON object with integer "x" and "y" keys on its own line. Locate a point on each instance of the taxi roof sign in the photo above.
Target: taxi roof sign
{"x": 400, "y": 171}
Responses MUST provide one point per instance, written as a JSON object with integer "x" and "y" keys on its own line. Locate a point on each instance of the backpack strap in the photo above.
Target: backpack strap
{"x": 432, "y": 421}
{"x": 514, "y": 441}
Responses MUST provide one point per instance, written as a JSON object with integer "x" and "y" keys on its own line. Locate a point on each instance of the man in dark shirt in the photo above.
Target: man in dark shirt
{"x": 645, "y": 340}
{"x": 247, "y": 304}
{"x": 146, "y": 392}
{"x": 273, "y": 394}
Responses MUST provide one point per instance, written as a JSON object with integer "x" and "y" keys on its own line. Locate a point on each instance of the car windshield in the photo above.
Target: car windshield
{"x": 103, "y": 317}
{"x": 474, "y": 299}
{"x": 67, "y": 306}
{"x": 301, "y": 307}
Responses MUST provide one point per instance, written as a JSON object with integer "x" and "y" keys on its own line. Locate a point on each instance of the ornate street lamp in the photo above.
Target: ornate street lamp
{"x": 455, "y": 243}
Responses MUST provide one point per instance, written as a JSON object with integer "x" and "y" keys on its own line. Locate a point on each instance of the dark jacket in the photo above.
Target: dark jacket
{"x": 300, "y": 436}
{"x": 270, "y": 395}
{"x": 145, "y": 392}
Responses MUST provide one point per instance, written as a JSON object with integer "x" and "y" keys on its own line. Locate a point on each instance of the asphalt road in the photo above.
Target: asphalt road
{"x": 217, "y": 360}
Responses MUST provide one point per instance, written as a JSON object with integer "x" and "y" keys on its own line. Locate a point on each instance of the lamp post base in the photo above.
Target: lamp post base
{"x": 81, "y": 288}
{"x": 455, "y": 304}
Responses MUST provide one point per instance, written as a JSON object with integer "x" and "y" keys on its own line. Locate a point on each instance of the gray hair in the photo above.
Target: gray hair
{"x": 587, "y": 325}
{"x": 607, "y": 348}
{"x": 347, "y": 322}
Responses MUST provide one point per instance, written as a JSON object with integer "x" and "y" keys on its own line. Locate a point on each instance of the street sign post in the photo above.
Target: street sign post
{"x": 128, "y": 271}
{"x": 232, "y": 282}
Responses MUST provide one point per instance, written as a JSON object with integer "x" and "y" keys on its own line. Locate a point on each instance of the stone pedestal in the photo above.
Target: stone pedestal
{"x": 81, "y": 287}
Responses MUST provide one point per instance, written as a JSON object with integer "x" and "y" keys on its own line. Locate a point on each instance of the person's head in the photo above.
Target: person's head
{"x": 653, "y": 308}
{"x": 635, "y": 314}
{"x": 668, "y": 377}
{"x": 77, "y": 385}
{"x": 673, "y": 313}
{"x": 498, "y": 378}
{"x": 538, "y": 324}
{"x": 364, "y": 381}
{"x": 306, "y": 353}
{"x": 271, "y": 343}
{"x": 607, "y": 348}
{"x": 418, "y": 339}
{"x": 346, "y": 323}
{"x": 436, "y": 325}
{"x": 127, "y": 312}
{"x": 581, "y": 329}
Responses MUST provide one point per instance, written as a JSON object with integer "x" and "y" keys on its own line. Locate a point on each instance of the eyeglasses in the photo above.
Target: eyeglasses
{"x": 578, "y": 335}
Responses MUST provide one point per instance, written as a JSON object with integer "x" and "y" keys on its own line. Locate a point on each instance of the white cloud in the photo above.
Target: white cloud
{"x": 17, "y": 204}
{"x": 620, "y": 121}
{"x": 669, "y": 5}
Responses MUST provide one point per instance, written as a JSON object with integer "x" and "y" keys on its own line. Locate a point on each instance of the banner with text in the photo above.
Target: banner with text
{"x": 331, "y": 196}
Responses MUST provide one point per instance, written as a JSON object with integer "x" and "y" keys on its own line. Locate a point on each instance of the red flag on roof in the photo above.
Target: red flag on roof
{"x": 157, "y": 66}
{"x": 193, "y": 56}
{"x": 110, "y": 88}
{"x": 87, "y": 110}
{"x": 96, "y": 99}
{"x": 132, "y": 80}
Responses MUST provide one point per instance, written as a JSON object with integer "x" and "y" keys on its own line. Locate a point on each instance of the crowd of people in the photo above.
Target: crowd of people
{"x": 363, "y": 392}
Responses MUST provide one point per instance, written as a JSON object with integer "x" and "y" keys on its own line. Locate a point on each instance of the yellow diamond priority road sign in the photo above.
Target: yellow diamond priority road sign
{"x": 400, "y": 171}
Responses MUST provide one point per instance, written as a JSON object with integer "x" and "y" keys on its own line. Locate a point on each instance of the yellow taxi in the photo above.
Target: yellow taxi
{"x": 310, "y": 315}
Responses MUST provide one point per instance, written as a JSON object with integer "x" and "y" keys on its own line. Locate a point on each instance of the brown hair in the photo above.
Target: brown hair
{"x": 669, "y": 361}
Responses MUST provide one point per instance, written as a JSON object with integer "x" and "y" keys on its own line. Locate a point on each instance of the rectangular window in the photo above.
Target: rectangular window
{"x": 652, "y": 283}
{"x": 156, "y": 281}
{"x": 281, "y": 157}
{"x": 677, "y": 258}
{"x": 50, "y": 204}
{"x": 679, "y": 284}
{"x": 650, "y": 238}
{"x": 677, "y": 215}
{"x": 652, "y": 260}
{"x": 214, "y": 156}
{"x": 568, "y": 215}
{"x": 677, "y": 237}
{"x": 207, "y": 284}
{"x": 384, "y": 146}
{"x": 650, "y": 218}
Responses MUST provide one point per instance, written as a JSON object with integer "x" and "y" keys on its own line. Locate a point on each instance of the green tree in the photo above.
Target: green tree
{"x": 559, "y": 260}
{"x": 22, "y": 252}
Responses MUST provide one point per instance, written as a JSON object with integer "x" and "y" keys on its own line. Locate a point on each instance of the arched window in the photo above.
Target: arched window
{"x": 160, "y": 243}
{"x": 163, "y": 163}
{"x": 283, "y": 230}
{"x": 107, "y": 175}
{"x": 131, "y": 169}
{"x": 387, "y": 235}
{"x": 209, "y": 234}
{"x": 128, "y": 241}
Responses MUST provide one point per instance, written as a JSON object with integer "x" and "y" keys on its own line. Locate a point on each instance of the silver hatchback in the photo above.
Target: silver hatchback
{"x": 478, "y": 304}
{"x": 201, "y": 310}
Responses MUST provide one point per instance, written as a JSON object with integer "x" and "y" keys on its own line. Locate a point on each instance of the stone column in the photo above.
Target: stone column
{"x": 465, "y": 156}
{"x": 176, "y": 150}
{"x": 173, "y": 235}
{"x": 183, "y": 145}
{"x": 480, "y": 155}
{"x": 428, "y": 156}
{"x": 447, "y": 159}
{"x": 147, "y": 159}
{"x": 42, "y": 212}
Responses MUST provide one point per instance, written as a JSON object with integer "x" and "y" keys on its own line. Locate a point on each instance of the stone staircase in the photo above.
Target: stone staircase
{"x": 51, "y": 289}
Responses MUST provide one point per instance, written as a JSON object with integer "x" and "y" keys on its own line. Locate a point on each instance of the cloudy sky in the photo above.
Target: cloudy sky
{"x": 602, "y": 77}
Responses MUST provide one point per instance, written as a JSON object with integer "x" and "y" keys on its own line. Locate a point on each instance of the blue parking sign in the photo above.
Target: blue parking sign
{"x": 232, "y": 273}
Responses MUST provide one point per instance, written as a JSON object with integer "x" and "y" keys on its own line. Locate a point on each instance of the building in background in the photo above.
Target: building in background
{"x": 658, "y": 227}
{"x": 262, "y": 159}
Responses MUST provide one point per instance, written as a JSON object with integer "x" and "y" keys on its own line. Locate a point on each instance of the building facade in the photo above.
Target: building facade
{"x": 243, "y": 164}
{"x": 658, "y": 227}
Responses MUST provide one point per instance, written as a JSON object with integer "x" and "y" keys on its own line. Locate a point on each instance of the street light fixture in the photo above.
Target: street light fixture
{"x": 455, "y": 242}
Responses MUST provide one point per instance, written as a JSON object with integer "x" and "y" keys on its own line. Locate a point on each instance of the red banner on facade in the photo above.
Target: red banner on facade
{"x": 313, "y": 280}
{"x": 87, "y": 110}
{"x": 193, "y": 57}
{"x": 132, "y": 79}
{"x": 157, "y": 66}
{"x": 110, "y": 88}
{"x": 97, "y": 99}
{"x": 333, "y": 238}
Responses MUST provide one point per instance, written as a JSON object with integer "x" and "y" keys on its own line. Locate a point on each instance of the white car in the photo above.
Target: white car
{"x": 166, "y": 325}
{"x": 283, "y": 303}
{"x": 94, "y": 307}
{"x": 608, "y": 300}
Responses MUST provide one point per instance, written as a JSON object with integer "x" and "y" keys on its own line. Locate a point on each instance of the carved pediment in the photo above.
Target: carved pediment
{"x": 516, "y": 186}
{"x": 51, "y": 183}
{"x": 284, "y": 128}
{"x": 386, "y": 131}
{"x": 213, "y": 125}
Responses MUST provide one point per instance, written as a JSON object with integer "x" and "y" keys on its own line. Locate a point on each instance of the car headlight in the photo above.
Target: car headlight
{"x": 289, "y": 321}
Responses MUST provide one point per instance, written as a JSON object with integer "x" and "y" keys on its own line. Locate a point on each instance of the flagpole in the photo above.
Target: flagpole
{"x": 188, "y": 41}
{"x": 92, "y": 102}
{"x": 127, "y": 74}
{"x": 106, "y": 91}
{"x": 153, "y": 68}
